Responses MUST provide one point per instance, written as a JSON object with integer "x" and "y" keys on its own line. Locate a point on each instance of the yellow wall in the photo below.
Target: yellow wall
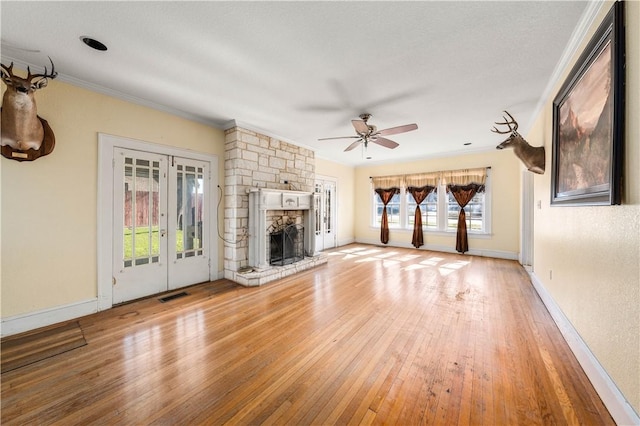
{"x": 344, "y": 175}
{"x": 49, "y": 205}
{"x": 594, "y": 252}
{"x": 48, "y": 217}
{"x": 505, "y": 189}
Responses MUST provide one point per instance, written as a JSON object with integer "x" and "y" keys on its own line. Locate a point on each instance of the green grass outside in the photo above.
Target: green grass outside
{"x": 142, "y": 242}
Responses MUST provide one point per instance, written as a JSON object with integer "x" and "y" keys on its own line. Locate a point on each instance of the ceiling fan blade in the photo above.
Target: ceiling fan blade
{"x": 398, "y": 129}
{"x": 360, "y": 126}
{"x": 339, "y": 137}
{"x": 388, "y": 143}
{"x": 353, "y": 145}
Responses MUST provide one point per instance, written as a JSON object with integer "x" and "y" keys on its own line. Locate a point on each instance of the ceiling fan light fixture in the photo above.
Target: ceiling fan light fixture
{"x": 369, "y": 133}
{"x": 93, "y": 43}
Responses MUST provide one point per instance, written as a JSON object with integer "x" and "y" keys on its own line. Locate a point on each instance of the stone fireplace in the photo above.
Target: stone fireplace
{"x": 265, "y": 179}
{"x": 262, "y": 203}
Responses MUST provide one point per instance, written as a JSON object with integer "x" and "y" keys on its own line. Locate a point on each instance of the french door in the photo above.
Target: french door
{"x": 189, "y": 222}
{"x": 325, "y": 211}
{"x": 160, "y": 223}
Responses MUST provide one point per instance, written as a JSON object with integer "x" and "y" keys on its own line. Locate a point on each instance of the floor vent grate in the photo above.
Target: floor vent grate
{"x": 173, "y": 296}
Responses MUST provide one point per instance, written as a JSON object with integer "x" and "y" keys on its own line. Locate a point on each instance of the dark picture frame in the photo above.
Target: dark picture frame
{"x": 588, "y": 121}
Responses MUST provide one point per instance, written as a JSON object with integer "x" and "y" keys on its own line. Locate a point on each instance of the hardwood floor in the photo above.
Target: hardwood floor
{"x": 380, "y": 335}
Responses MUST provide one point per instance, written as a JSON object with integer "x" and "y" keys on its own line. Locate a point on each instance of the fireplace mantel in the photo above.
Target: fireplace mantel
{"x": 262, "y": 200}
{"x": 274, "y": 199}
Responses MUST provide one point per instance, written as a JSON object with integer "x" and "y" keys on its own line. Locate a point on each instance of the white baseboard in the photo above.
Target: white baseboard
{"x": 345, "y": 242}
{"x": 26, "y": 322}
{"x": 618, "y": 406}
{"x": 446, "y": 249}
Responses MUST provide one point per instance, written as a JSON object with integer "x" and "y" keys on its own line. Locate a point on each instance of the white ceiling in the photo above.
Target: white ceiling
{"x": 302, "y": 70}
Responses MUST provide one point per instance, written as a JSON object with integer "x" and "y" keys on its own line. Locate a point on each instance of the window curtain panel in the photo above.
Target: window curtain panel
{"x": 420, "y": 186}
{"x": 386, "y": 187}
{"x": 464, "y": 185}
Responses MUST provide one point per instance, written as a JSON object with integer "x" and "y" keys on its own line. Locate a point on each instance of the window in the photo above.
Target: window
{"x": 439, "y": 211}
{"x": 393, "y": 210}
{"x": 474, "y": 212}
{"x": 428, "y": 208}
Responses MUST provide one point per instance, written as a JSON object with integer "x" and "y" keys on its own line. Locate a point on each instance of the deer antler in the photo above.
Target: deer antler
{"x": 506, "y": 123}
{"x": 53, "y": 74}
{"x": 8, "y": 69}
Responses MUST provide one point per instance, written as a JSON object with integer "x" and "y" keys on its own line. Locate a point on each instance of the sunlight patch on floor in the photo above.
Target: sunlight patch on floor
{"x": 385, "y": 255}
{"x": 393, "y": 259}
{"x": 415, "y": 267}
{"x": 367, "y": 259}
{"x": 432, "y": 261}
{"x": 450, "y": 267}
{"x": 407, "y": 257}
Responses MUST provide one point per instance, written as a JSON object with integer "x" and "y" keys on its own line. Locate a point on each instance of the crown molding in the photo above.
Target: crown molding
{"x": 578, "y": 35}
{"x": 117, "y": 94}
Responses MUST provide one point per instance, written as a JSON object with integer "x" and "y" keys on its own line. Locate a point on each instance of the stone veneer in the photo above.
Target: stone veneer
{"x": 254, "y": 160}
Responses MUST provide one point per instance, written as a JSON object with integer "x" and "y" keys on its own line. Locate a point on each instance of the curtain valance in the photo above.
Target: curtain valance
{"x": 422, "y": 179}
{"x": 387, "y": 182}
{"x": 449, "y": 177}
{"x": 465, "y": 176}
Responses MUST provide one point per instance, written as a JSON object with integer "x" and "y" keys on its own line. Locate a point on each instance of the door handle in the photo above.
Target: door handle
{"x": 163, "y": 232}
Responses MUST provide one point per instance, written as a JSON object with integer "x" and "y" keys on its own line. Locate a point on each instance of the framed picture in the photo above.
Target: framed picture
{"x": 588, "y": 121}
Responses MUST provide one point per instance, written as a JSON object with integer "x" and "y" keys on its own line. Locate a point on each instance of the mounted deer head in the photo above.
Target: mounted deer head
{"x": 531, "y": 156}
{"x": 22, "y": 129}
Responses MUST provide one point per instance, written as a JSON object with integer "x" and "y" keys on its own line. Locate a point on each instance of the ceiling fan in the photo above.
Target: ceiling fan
{"x": 369, "y": 133}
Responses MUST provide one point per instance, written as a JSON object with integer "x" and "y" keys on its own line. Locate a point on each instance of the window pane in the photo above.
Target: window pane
{"x": 393, "y": 210}
{"x": 474, "y": 212}
{"x": 411, "y": 210}
{"x": 453, "y": 211}
{"x": 428, "y": 209}
{"x": 430, "y": 219}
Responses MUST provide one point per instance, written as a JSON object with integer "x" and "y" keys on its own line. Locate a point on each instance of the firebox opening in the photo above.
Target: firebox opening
{"x": 286, "y": 246}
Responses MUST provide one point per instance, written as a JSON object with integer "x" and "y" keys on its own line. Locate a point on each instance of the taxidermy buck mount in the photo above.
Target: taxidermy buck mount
{"x": 531, "y": 156}
{"x": 25, "y": 135}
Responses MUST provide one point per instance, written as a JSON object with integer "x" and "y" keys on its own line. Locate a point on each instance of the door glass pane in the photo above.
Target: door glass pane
{"x": 327, "y": 210}
{"x": 190, "y": 195}
{"x": 155, "y": 214}
{"x": 142, "y": 201}
{"x": 317, "y": 201}
{"x": 128, "y": 213}
{"x": 141, "y": 212}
